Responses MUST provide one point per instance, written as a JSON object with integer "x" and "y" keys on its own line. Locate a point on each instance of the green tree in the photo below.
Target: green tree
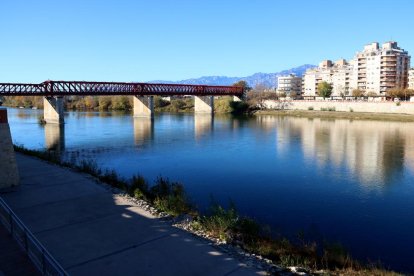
{"x": 105, "y": 102}
{"x": 244, "y": 84}
{"x": 324, "y": 89}
{"x": 120, "y": 103}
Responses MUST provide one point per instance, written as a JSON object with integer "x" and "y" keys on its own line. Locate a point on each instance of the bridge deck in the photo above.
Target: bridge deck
{"x": 91, "y": 231}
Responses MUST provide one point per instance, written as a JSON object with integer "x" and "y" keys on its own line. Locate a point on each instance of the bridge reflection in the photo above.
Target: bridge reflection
{"x": 203, "y": 124}
{"x": 55, "y": 137}
{"x": 143, "y": 130}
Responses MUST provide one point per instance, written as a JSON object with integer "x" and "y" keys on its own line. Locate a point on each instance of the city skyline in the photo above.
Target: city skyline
{"x": 174, "y": 41}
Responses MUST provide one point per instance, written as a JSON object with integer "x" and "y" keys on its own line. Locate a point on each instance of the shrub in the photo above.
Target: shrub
{"x": 351, "y": 110}
{"x": 138, "y": 187}
{"x": 310, "y": 108}
{"x": 331, "y": 108}
{"x": 89, "y": 166}
{"x": 170, "y": 197}
{"x": 239, "y": 107}
{"x": 160, "y": 102}
{"x": 220, "y": 222}
{"x": 111, "y": 177}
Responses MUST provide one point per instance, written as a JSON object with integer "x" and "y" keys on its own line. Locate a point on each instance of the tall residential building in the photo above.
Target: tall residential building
{"x": 411, "y": 78}
{"x": 290, "y": 85}
{"x": 380, "y": 69}
{"x": 339, "y": 74}
{"x": 375, "y": 69}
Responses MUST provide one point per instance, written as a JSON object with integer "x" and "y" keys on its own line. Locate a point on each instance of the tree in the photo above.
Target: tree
{"x": 399, "y": 93}
{"x": 371, "y": 94}
{"x": 357, "y": 92}
{"x": 324, "y": 89}
{"x": 104, "y": 102}
{"x": 244, "y": 84}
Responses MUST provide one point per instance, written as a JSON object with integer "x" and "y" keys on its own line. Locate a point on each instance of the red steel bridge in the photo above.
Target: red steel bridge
{"x": 84, "y": 88}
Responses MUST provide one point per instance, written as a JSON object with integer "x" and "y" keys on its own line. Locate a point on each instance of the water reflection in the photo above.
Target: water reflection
{"x": 375, "y": 152}
{"x": 143, "y": 130}
{"x": 203, "y": 125}
{"x": 55, "y": 137}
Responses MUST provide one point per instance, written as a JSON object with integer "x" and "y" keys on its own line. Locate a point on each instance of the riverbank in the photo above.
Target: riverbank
{"x": 93, "y": 228}
{"x": 339, "y": 115}
{"x": 224, "y": 225}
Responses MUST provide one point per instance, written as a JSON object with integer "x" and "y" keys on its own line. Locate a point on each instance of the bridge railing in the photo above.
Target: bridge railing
{"x": 40, "y": 257}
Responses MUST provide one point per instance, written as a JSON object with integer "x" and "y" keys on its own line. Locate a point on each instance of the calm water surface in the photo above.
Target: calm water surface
{"x": 336, "y": 180}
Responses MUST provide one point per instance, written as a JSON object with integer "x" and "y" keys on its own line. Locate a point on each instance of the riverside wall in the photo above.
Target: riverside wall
{"x": 345, "y": 106}
{"x": 9, "y": 175}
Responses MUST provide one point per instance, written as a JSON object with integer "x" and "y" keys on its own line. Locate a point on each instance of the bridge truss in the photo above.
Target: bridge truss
{"x": 85, "y": 88}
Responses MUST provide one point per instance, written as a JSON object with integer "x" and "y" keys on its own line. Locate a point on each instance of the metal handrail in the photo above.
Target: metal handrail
{"x": 40, "y": 257}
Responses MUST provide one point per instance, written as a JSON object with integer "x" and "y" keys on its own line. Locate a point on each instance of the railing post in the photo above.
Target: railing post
{"x": 26, "y": 243}
{"x": 11, "y": 223}
{"x": 43, "y": 262}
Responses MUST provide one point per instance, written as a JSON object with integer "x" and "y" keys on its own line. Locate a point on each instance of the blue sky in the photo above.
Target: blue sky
{"x": 128, "y": 40}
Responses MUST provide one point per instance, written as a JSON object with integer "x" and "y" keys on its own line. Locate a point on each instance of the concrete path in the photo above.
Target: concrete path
{"x": 91, "y": 231}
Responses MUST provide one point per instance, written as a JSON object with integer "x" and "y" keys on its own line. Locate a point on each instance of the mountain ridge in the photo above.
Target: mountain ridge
{"x": 268, "y": 80}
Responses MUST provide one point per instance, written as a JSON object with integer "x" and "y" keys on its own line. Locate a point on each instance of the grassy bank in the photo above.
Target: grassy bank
{"x": 225, "y": 224}
{"x": 339, "y": 115}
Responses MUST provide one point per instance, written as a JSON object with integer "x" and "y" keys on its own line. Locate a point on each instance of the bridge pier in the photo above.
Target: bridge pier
{"x": 204, "y": 104}
{"x": 9, "y": 175}
{"x": 236, "y": 99}
{"x": 144, "y": 106}
{"x": 53, "y": 110}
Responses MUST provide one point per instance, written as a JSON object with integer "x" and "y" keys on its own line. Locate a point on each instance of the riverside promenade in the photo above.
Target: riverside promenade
{"x": 92, "y": 231}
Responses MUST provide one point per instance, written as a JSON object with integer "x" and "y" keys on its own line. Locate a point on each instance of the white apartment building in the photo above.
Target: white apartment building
{"x": 374, "y": 70}
{"x": 290, "y": 85}
{"x": 338, "y": 74}
{"x": 411, "y": 78}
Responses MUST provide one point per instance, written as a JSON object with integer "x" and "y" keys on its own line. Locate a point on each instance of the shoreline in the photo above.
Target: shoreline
{"x": 241, "y": 235}
{"x": 398, "y": 117}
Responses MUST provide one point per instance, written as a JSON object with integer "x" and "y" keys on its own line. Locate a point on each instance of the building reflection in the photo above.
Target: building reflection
{"x": 55, "y": 137}
{"x": 203, "y": 125}
{"x": 375, "y": 152}
{"x": 143, "y": 130}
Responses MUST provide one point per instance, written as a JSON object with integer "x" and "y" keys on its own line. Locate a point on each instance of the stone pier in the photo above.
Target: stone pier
{"x": 9, "y": 175}
{"x": 204, "y": 104}
{"x": 53, "y": 110}
{"x": 236, "y": 99}
{"x": 144, "y": 106}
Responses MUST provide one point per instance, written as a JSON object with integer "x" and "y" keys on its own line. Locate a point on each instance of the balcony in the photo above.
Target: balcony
{"x": 387, "y": 84}
{"x": 391, "y": 58}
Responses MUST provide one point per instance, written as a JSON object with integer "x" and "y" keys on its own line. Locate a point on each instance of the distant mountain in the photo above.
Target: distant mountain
{"x": 266, "y": 79}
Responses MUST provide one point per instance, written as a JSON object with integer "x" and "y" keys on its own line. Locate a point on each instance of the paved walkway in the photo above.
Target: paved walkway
{"x": 91, "y": 231}
{"x": 13, "y": 261}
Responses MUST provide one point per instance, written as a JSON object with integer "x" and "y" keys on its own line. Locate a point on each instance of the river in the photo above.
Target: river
{"x": 336, "y": 180}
